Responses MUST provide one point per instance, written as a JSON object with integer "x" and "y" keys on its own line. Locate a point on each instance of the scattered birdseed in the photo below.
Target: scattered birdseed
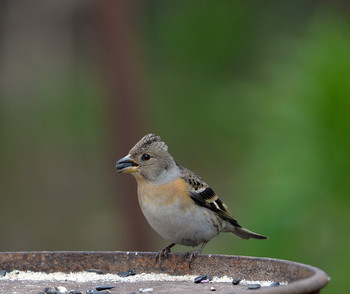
{"x": 254, "y": 286}
{"x": 106, "y": 278}
{"x": 123, "y": 274}
{"x": 274, "y": 284}
{"x": 147, "y": 290}
{"x": 51, "y": 290}
{"x": 236, "y": 281}
{"x": 212, "y": 289}
{"x": 104, "y": 287}
{"x": 262, "y": 283}
{"x": 199, "y": 279}
{"x": 97, "y": 271}
{"x": 62, "y": 289}
{"x": 131, "y": 272}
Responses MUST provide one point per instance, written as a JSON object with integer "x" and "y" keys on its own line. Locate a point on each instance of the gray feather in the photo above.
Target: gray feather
{"x": 246, "y": 234}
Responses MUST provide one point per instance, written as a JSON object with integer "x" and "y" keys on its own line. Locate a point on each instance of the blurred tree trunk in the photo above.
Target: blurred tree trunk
{"x": 116, "y": 34}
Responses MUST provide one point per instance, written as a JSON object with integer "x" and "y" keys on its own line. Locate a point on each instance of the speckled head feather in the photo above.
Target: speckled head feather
{"x": 145, "y": 143}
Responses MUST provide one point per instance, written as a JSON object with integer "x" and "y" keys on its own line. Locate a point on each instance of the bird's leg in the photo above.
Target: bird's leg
{"x": 163, "y": 253}
{"x": 194, "y": 253}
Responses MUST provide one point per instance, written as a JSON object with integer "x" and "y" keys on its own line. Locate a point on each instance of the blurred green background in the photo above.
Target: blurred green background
{"x": 252, "y": 95}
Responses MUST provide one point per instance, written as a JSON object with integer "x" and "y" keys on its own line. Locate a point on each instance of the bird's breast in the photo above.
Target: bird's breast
{"x": 168, "y": 194}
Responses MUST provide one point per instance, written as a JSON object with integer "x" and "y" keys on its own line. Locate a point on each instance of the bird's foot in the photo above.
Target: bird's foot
{"x": 194, "y": 253}
{"x": 164, "y": 253}
{"x": 191, "y": 255}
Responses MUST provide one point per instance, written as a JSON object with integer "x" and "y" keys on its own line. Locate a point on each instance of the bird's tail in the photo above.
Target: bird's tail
{"x": 246, "y": 234}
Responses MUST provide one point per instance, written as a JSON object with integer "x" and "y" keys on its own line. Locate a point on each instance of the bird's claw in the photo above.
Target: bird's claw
{"x": 164, "y": 253}
{"x": 194, "y": 253}
{"x": 191, "y": 255}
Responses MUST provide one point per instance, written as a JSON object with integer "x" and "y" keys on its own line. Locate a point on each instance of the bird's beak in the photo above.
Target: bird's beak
{"x": 127, "y": 165}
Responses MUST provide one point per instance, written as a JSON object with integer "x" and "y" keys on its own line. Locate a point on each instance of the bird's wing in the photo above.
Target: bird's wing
{"x": 204, "y": 196}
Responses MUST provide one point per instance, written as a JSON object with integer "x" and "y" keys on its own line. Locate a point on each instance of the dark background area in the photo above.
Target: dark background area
{"x": 252, "y": 95}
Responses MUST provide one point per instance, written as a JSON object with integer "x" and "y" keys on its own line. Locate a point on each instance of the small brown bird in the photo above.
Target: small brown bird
{"x": 176, "y": 202}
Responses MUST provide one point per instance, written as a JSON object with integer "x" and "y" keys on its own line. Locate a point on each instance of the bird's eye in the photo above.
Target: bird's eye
{"x": 145, "y": 156}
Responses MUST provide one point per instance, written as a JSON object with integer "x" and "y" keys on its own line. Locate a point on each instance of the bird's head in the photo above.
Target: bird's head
{"x": 150, "y": 160}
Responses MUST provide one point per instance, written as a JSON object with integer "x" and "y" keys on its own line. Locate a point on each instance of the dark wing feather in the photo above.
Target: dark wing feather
{"x": 207, "y": 198}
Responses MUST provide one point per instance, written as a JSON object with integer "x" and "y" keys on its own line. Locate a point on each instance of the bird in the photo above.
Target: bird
{"x": 177, "y": 203}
